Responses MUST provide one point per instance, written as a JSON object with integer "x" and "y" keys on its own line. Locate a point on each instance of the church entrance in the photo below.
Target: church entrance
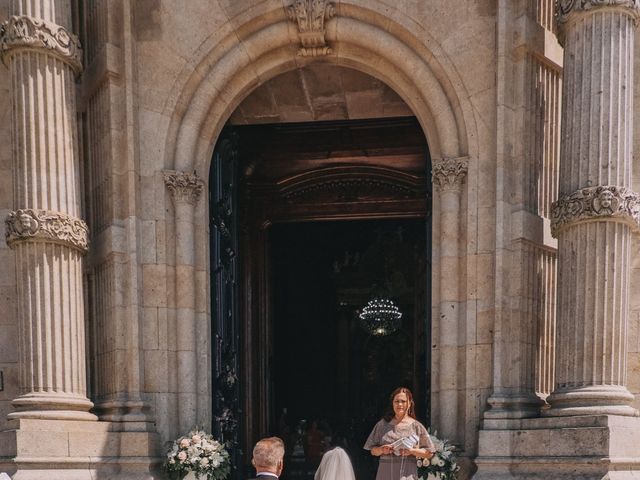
{"x": 310, "y": 221}
{"x": 333, "y": 371}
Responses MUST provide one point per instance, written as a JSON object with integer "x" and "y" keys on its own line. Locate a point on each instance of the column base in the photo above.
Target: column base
{"x": 51, "y": 406}
{"x": 591, "y": 400}
{"x": 513, "y": 406}
{"x": 131, "y": 415}
{"x": 601, "y": 447}
{"x": 37, "y": 449}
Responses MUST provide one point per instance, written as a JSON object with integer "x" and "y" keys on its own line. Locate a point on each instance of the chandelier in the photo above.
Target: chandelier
{"x": 380, "y": 317}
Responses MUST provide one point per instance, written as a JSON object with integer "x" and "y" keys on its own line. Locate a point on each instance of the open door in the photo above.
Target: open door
{"x": 225, "y": 332}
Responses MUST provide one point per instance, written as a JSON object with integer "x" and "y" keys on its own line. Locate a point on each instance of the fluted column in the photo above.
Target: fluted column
{"x": 448, "y": 177}
{"x": 45, "y": 230}
{"x": 185, "y": 189}
{"x": 596, "y": 212}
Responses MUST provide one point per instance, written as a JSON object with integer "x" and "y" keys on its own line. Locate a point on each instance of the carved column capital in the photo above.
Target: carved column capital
{"x": 28, "y": 33}
{"x": 566, "y": 10}
{"x": 311, "y": 15}
{"x": 46, "y": 226}
{"x": 184, "y": 187}
{"x": 596, "y": 204}
{"x": 449, "y": 173}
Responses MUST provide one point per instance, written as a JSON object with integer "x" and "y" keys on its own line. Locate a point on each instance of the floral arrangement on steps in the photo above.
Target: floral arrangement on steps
{"x": 200, "y": 453}
{"x": 442, "y": 466}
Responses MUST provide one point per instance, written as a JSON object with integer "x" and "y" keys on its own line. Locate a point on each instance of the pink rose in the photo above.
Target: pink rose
{"x": 184, "y": 443}
{"x": 182, "y": 456}
{"x": 196, "y": 439}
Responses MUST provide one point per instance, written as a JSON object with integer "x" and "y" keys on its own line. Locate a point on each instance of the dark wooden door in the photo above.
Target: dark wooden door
{"x": 223, "y": 204}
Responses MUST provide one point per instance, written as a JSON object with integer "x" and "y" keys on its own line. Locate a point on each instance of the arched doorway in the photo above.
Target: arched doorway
{"x": 349, "y": 196}
{"x": 227, "y": 67}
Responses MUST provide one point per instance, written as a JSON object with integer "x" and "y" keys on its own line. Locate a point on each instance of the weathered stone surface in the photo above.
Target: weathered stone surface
{"x": 160, "y": 80}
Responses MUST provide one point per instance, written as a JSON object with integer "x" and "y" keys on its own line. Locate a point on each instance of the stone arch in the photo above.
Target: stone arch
{"x": 252, "y": 48}
{"x": 262, "y": 43}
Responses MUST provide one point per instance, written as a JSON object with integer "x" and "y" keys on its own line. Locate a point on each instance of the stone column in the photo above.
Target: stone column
{"x": 46, "y": 231}
{"x": 596, "y": 211}
{"x": 185, "y": 190}
{"x": 448, "y": 176}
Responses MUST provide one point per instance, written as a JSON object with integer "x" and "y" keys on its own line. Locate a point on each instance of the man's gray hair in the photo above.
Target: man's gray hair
{"x": 268, "y": 452}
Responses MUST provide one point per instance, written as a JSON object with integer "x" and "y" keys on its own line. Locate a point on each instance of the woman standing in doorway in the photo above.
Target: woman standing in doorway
{"x": 399, "y": 439}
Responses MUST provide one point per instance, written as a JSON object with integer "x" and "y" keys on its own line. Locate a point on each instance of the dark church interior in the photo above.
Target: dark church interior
{"x": 332, "y": 375}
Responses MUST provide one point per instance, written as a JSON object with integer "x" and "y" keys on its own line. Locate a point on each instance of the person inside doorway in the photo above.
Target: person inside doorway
{"x": 399, "y": 439}
{"x": 268, "y": 458}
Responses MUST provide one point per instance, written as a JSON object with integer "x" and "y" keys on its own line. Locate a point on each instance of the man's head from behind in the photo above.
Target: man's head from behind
{"x": 268, "y": 455}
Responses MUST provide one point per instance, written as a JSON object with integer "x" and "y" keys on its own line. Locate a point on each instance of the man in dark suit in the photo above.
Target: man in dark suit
{"x": 268, "y": 458}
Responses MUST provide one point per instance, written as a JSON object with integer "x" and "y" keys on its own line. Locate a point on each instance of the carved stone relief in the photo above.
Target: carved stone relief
{"x": 449, "y": 173}
{"x": 45, "y": 225}
{"x": 184, "y": 187}
{"x": 566, "y": 7}
{"x": 351, "y": 189}
{"x": 311, "y": 15}
{"x": 596, "y": 203}
{"x": 24, "y": 32}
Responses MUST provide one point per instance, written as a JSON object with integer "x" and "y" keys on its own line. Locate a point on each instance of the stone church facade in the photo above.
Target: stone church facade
{"x": 111, "y": 110}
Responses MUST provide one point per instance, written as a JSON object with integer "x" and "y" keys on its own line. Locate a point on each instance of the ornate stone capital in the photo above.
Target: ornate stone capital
{"x": 566, "y": 8}
{"x": 596, "y": 203}
{"x": 24, "y": 32}
{"x": 46, "y": 226}
{"x": 184, "y": 187}
{"x": 310, "y": 15}
{"x": 449, "y": 173}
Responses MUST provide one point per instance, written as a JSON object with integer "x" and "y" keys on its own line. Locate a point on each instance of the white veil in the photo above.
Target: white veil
{"x": 335, "y": 465}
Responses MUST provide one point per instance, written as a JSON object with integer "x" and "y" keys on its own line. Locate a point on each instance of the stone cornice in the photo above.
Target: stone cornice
{"x": 184, "y": 187}
{"x": 32, "y": 224}
{"x": 28, "y": 33}
{"x": 449, "y": 173}
{"x": 566, "y": 9}
{"x": 310, "y": 16}
{"x": 596, "y": 204}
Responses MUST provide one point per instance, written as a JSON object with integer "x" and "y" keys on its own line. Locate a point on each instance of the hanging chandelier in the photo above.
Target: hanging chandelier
{"x": 380, "y": 317}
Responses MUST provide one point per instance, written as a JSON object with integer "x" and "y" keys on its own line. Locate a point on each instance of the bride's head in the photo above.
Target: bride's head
{"x": 335, "y": 465}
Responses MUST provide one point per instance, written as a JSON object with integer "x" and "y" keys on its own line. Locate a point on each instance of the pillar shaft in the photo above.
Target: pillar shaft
{"x": 448, "y": 178}
{"x": 46, "y": 230}
{"x": 185, "y": 189}
{"x": 596, "y": 212}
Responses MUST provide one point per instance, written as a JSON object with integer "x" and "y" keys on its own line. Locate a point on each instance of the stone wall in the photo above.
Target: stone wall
{"x": 633, "y": 359}
{"x": 161, "y": 78}
{"x": 8, "y": 320}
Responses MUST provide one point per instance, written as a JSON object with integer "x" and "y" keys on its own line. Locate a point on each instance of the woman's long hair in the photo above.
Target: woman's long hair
{"x": 411, "y": 411}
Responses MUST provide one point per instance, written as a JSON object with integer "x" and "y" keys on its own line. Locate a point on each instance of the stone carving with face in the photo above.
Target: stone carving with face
{"x": 25, "y": 224}
{"x": 604, "y": 202}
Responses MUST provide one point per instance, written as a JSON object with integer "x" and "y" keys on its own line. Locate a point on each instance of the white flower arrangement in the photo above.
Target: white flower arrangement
{"x": 200, "y": 453}
{"x": 442, "y": 466}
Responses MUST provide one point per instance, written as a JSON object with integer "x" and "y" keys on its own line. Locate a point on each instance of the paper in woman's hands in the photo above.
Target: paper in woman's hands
{"x": 410, "y": 441}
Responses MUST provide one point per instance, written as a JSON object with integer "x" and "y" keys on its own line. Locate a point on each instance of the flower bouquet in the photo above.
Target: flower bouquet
{"x": 200, "y": 453}
{"x": 442, "y": 466}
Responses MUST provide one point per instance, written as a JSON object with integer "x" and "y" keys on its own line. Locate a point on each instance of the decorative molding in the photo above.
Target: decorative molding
{"x": 350, "y": 189}
{"x": 45, "y": 225}
{"x": 24, "y": 32}
{"x": 449, "y": 173}
{"x": 311, "y": 15}
{"x": 565, "y": 8}
{"x": 184, "y": 187}
{"x": 596, "y": 204}
{"x": 348, "y": 183}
